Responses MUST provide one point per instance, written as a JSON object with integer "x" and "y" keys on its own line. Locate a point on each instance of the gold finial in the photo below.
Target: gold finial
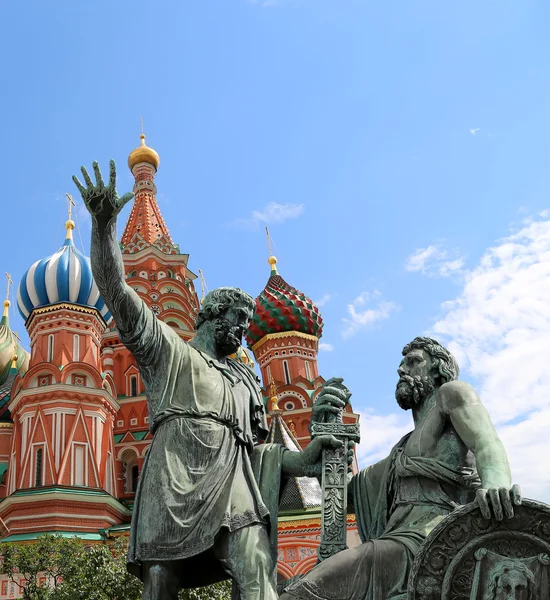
{"x": 273, "y": 399}
{"x": 14, "y": 362}
{"x": 143, "y": 153}
{"x": 203, "y": 285}
{"x": 69, "y": 225}
{"x": 271, "y": 260}
{"x": 7, "y": 302}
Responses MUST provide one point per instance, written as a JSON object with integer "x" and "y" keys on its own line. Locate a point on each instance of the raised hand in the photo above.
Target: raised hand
{"x": 102, "y": 201}
{"x": 498, "y": 502}
{"x": 331, "y": 401}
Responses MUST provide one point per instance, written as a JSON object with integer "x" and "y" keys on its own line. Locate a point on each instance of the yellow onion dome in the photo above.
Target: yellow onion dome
{"x": 12, "y": 355}
{"x": 243, "y": 356}
{"x": 143, "y": 154}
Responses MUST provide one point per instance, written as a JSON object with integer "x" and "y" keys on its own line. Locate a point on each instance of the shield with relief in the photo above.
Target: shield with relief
{"x": 467, "y": 557}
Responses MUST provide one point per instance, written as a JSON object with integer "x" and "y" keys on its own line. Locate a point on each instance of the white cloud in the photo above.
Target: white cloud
{"x": 324, "y": 347}
{"x": 499, "y": 330}
{"x": 379, "y": 433}
{"x": 474, "y": 131}
{"x": 323, "y": 300}
{"x": 270, "y": 214}
{"x": 435, "y": 261}
{"x": 367, "y": 309}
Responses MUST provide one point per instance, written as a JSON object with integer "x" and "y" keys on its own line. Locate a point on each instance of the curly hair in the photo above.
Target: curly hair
{"x": 219, "y": 301}
{"x": 443, "y": 360}
{"x": 506, "y": 567}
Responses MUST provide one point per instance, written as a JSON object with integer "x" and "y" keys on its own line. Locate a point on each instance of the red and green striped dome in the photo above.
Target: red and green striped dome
{"x": 281, "y": 307}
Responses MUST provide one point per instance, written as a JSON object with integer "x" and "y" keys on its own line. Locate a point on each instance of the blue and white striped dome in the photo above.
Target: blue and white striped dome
{"x": 64, "y": 277}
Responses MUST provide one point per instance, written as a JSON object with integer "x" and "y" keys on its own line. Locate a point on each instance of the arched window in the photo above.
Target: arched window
{"x": 287, "y": 372}
{"x": 133, "y": 385}
{"x": 135, "y": 476}
{"x": 38, "y": 468}
{"x": 130, "y": 471}
{"x": 76, "y": 348}
{"x": 308, "y": 372}
{"x": 50, "y": 347}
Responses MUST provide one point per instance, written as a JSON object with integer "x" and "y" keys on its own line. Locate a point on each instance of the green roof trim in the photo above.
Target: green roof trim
{"x": 3, "y": 469}
{"x": 118, "y": 437}
{"x": 63, "y": 490}
{"x": 139, "y": 435}
{"x": 25, "y": 537}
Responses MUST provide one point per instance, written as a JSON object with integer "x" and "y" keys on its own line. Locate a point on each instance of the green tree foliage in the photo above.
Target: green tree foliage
{"x": 77, "y": 572}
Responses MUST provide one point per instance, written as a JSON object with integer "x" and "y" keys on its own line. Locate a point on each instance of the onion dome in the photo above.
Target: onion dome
{"x": 143, "y": 154}
{"x": 243, "y": 356}
{"x": 66, "y": 276}
{"x": 281, "y": 307}
{"x": 13, "y": 358}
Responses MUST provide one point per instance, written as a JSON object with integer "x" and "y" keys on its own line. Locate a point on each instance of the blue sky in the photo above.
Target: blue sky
{"x": 392, "y": 148}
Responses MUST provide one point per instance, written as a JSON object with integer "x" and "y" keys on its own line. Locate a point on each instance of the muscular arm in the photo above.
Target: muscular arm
{"x": 473, "y": 424}
{"x": 108, "y": 269}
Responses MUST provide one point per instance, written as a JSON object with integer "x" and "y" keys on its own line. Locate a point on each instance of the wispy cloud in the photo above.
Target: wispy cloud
{"x": 324, "y": 347}
{"x": 323, "y": 300}
{"x": 474, "y": 131}
{"x": 271, "y": 214}
{"x": 379, "y": 433}
{"x": 367, "y": 309}
{"x": 435, "y": 261}
{"x": 499, "y": 330}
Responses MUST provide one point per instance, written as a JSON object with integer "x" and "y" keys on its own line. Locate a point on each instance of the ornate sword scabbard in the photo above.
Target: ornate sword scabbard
{"x": 335, "y": 486}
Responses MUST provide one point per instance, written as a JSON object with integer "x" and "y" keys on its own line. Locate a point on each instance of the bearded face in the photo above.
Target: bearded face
{"x": 412, "y": 390}
{"x": 228, "y": 336}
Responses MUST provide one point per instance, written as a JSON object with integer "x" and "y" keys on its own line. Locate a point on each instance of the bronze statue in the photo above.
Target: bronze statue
{"x": 452, "y": 457}
{"x": 206, "y": 503}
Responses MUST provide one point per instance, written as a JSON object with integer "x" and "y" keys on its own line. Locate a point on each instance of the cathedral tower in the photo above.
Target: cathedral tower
{"x": 158, "y": 272}
{"x": 63, "y": 408}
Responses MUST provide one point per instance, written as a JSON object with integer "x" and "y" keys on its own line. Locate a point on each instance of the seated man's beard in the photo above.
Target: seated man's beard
{"x": 412, "y": 390}
{"x": 226, "y": 336}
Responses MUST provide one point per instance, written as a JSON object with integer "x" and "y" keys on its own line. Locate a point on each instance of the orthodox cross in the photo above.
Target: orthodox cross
{"x": 10, "y": 281}
{"x": 142, "y": 127}
{"x": 269, "y": 242}
{"x": 334, "y": 483}
{"x": 71, "y": 204}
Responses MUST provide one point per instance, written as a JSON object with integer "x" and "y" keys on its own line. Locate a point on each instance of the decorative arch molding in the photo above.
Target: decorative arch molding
{"x": 30, "y": 380}
{"x": 110, "y": 385}
{"x": 306, "y": 565}
{"x": 296, "y": 394}
{"x": 82, "y": 368}
{"x": 127, "y": 449}
{"x": 284, "y": 570}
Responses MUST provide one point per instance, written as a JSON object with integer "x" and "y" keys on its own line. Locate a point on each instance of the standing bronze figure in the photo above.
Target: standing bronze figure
{"x": 206, "y": 504}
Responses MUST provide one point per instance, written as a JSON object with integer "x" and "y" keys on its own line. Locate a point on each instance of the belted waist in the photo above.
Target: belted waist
{"x": 231, "y": 422}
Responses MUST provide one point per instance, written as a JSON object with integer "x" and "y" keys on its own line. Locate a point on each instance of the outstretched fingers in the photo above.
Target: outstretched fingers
{"x": 112, "y": 174}
{"x": 126, "y": 198}
{"x": 87, "y": 178}
{"x": 98, "y": 177}
{"x": 80, "y": 187}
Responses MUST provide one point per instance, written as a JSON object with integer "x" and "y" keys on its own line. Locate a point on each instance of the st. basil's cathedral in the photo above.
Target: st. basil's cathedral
{"x": 74, "y": 427}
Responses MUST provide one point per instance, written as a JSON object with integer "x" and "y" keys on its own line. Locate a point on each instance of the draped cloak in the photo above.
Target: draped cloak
{"x": 203, "y": 473}
{"x": 397, "y": 501}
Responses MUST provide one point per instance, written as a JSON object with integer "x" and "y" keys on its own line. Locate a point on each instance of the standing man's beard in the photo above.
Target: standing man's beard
{"x": 412, "y": 390}
{"x": 228, "y": 338}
